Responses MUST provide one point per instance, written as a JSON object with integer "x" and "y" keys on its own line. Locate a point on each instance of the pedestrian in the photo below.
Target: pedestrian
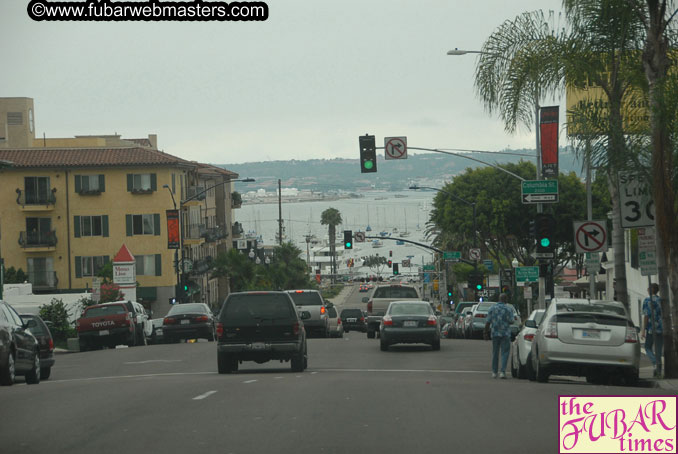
{"x": 499, "y": 319}
{"x": 652, "y": 326}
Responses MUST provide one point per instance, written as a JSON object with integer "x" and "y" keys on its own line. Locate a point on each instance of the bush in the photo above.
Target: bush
{"x": 57, "y": 313}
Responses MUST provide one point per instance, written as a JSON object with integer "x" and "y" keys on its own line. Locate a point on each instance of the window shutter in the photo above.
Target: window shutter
{"x": 158, "y": 265}
{"x": 156, "y": 224}
{"x": 128, "y": 222}
{"x": 102, "y": 184}
{"x": 78, "y": 266}
{"x": 78, "y": 184}
{"x": 154, "y": 182}
{"x": 106, "y": 259}
{"x": 76, "y": 226}
{"x": 104, "y": 224}
{"x": 130, "y": 182}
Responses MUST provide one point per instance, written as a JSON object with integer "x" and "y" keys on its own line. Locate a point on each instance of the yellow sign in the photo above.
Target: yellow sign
{"x": 435, "y": 285}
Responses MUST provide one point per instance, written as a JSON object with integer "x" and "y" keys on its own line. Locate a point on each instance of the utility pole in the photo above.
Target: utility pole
{"x": 280, "y": 228}
{"x": 540, "y": 206}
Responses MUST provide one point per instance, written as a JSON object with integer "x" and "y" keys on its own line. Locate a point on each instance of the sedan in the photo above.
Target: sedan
{"x": 409, "y": 322}
{"x": 336, "y": 330}
{"x": 520, "y": 353}
{"x": 42, "y": 334}
{"x": 579, "y": 337}
{"x": 19, "y": 349}
{"x": 189, "y": 321}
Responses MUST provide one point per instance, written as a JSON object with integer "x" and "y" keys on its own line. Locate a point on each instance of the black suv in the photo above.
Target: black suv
{"x": 353, "y": 320}
{"x": 260, "y": 326}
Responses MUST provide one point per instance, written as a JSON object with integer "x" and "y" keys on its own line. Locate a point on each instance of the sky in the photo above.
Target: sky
{"x": 303, "y": 84}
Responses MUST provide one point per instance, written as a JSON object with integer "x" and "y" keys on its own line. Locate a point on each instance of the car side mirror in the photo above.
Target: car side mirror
{"x": 469, "y": 313}
{"x": 530, "y": 323}
{"x": 305, "y": 315}
{"x": 329, "y": 304}
{"x": 365, "y": 299}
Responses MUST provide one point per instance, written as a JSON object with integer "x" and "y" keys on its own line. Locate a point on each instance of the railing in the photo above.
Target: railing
{"x": 196, "y": 191}
{"x": 37, "y": 239}
{"x": 214, "y": 234}
{"x": 44, "y": 280}
{"x": 193, "y": 231}
{"x": 202, "y": 266}
{"x": 45, "y": 198}
{"x": 237, "y": 229}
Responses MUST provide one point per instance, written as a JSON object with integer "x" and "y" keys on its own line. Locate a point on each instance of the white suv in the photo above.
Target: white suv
{"x": 143, "y": 327}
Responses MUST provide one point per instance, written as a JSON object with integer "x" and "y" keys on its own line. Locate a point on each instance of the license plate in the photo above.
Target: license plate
{"x": 185, "y": 322}
{"x": 158, "y": 331}
{"x": 103, "y": 332}
{"x": 410, "y": 324}
{"x": 590, "y": 334}
{"x": 351, "y": 320}
{"x": 258, "y": 346}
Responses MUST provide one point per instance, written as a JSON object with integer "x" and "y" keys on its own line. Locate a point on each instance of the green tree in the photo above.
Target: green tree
{"x": 332, "y": 218}
{"x": 375, "y": 263}
{"x": 237, "y": 267}
{"x": 14, "y": 276}
{"x": 57, "y": 313}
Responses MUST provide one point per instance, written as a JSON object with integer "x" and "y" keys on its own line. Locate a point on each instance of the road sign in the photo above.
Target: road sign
{"x": 96, "y": 289}
{"x": 359, "y": 237}
{"x": 539, "y": 191}
{"x": 474, "y": 254}
{"x": 453, "y": 256}
{"x": 647, "y": 257}
{"x": 637, "y": 205}
{"x": 395, "y": 147}
{"x": 646, "y": 240}
{"x": 406, "y": 262}
{"x": 527, "y": 292}
{"x": 429, "y": 267}
{"x": 590, "y": 236}
{"x": 489, "y": 265}
{"x": 543, "y": 255}
{"x": 592, "y": 262}
{"x": 527, "y": 274}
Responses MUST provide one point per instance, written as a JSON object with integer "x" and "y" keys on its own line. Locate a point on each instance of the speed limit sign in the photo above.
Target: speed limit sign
{"x": 637, "y": 205}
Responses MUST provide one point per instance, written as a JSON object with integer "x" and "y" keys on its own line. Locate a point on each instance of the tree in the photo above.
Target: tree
{"x": 14, "y": 276}
{"x": 332, "y": 218}
{"x": 375, "y": 263}
{"x": 287, "y": 270}
{"x": 237, "y": 267}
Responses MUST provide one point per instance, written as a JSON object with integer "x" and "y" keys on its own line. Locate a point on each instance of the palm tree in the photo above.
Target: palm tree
{"x": 331, "y": 218}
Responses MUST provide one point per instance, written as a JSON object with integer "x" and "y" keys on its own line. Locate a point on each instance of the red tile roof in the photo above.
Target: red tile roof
{"x": 209, "y": 169}
{"x": 89, "y": 157}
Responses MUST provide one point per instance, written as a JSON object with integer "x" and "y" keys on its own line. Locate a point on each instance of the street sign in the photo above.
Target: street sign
{"x": 527, "y": 292}
{"x": 543, "y": 255}
{"x": 96, "y": 289}
{"x": 590, "y": 236}
{"x": 453, "y": 256}
{"x": 637, "y": 205}
{"x": 592, "y": 262}
{"x": 406, "y": 262}
{"x": 474, "y": 254}
{"x": 489, "y": 265}
{"x": 527, "y": 274}
{"x": 395, "y": 147}
{"x": 647, "y": 257}
{"x": 539, "y": 191}
{"x": 359, "y": 237}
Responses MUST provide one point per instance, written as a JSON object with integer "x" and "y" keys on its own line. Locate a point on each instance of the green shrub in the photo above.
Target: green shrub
{"x": 57, "y": 313}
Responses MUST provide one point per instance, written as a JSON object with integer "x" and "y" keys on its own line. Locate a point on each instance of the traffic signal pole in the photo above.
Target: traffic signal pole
{"x": 541, "y": 301}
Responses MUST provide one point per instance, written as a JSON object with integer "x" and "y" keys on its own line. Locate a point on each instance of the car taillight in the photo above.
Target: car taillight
{"x": 362, "y": 319}
{"x": 338, "y": 321}
{"x": 432, "y": 321}
{"x": 551, "y": 330}
{"x": 169, "y": 321}
{"x": 295, "y": 328}
{"x": 51, "y": 345}
{"x": 480, "y": 315}
{"x": 369, "y": 306}
{"x": 387, "y": 321}
{"x": 528, "y": 337}
{"x": 202, "y": 318}
{"x": 220, "y": 329}
{"x": 322, "y": 310}
{"x": 631, "y": 335}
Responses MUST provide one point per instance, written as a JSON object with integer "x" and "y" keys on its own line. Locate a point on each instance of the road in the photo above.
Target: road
{"x": 353, "y": 398}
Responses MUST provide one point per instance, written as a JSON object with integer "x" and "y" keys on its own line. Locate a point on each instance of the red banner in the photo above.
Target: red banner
{"x": 548, "y": 134}
{"x": 173, "y": 233}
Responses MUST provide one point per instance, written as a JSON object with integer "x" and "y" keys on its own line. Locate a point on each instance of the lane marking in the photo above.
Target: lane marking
{"x": 433, "y": 371}
{"x": 155, "y": 361}
{"x": 170, "y": 374}
{"x": 249, "y": 381}
{"x": 203, "y": 396}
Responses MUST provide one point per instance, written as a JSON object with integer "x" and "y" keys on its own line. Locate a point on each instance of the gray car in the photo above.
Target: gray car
{"x": 336, "y": 330}
{"x": 520, "y": 353}
{"x": 409, "y": 322}
{"x": 579, "y": 337}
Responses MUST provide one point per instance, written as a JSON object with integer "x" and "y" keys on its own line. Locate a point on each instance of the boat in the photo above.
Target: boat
{"x": 384, "y": 234}
{"x": 400, "y": 196}
{"x": 377, "y": 243}
{"x": 368, "y": 228}
{"x": 400, "y": 242}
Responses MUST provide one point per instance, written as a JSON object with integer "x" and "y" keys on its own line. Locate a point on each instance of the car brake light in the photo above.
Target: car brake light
{"x": 220, "y": 329}
{"x": 338, "y": 321}
{"x": 631, "y": 335}
{"x": 299, "y": 291}
{"x": 322, "y": 310}
{"x": 387, "y": 321}
{"x": 295, "y": 328}
{"x": 202, "y": 318}
{"x": 168, "y": 321}
{"x": 432, "y": 321}
{"x": 51, "y": 344}
{"x": 528, "y": 337}
{"x": 480, "y": 315}
{"x": 369, "y": 306}
{"x": 551, "y": 330}
{"x": 362, "y": 319}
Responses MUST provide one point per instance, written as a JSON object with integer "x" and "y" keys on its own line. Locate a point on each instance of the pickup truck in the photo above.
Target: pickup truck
{"x": 381, "y": 298}
{"x": 313, "y": 302}
{"x": 106, "y": 325}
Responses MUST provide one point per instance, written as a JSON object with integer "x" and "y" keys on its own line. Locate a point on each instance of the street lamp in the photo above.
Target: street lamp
{"x": 195, "y": 196}
{"x": 514, "y": 263}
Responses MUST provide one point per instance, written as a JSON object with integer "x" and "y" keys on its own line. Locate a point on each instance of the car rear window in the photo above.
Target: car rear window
{"x": 351, "y": 313}
{"x": 102, "y": 311}
{"x": 38, "y": 329}
{"x": 592, "y": 307}
{"x": 306, "y": 298}
{"x": 600, "y": 319}
{"x": 484, "y": 307}
{"x": 410, "y": 309}
{"x": 461, "y": 306}
{"x": 333, "y": 312}
{"x": 246, "y": 308}
{"x": 187, "y": 309}
{"x": 395, "y": 292}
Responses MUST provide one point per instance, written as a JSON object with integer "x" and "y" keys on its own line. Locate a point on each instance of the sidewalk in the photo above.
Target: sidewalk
{"x": 341, "y": 298}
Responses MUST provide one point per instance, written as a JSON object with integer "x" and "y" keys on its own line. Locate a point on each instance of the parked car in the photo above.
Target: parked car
{"x": 158, "y": 336}
{"x": 516, "y": 325}
{"x": 313, "y": 302}
{"x": 143, "y": 328}
{"x": 476, "y": 324}
{"x": 106, "y": 325}
{"x": 579, "y": 337}
{"x": 42, "y": 334}
{"x": 19, "y": 349}
{"x": 409, "y": 322}
{"x": 260, "y": 327}
{"x": 189, "y": 321}
{"x": 353, "y": 320}
{"x": 520, "y": 353}
{"x": 446, "y": 330}
{"x": 336, "y": 328}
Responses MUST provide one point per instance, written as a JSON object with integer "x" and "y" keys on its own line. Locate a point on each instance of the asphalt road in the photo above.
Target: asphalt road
{"x": 353, "y": 398}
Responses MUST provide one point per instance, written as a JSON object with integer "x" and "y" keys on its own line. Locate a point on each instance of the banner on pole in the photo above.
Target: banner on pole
{"x": 173, "y": 235}
{"x": 548, "y": 134}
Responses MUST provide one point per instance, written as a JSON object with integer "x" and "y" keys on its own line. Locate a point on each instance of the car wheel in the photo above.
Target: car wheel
{"x": 33, "y": 376}
{"x": 522, "y": 370}
{"x": 45, "y": 372}
{"x": 341, "y": 335}
{"x": 631, "y": 378}
{"x": 436, "y": 345}
{"x": 530, "y": 368}
{"x": 143, "y": 340}
{"x": 83, "y": 345}
{"x": 383, "y": 345}
{"x": 542, "y": 373}
{"x": 212, "y": 337}
{"x": 514, "y": 369}
{"x": 370, "y": 334}
{"x": 8, "y": 374}
{"x": 297, "y": 362}
{"x": 226, "y": 364}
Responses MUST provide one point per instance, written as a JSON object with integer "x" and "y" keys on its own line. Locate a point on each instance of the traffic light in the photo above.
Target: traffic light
{"x": 390, "y": 253}
{"x": 395, "y": 269}
{"x": 390, "y": 263}
{"x": 450, "y": 289}
{"x": 348, "y": 239}
{"x": 368, "y": 154}
{"x": 545, "y": 226}
{"x": 475, "y": 281}
{"x": 533, "y": 229}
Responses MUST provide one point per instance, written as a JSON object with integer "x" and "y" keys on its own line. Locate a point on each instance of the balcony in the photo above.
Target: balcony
{"x": 43, "y": 280}
{"x": 236, "y": 199}
{"x": 237, "y": 230}
{"x": 38, "y": 241}
{"x": 214, "y": 234}
{"x": 202, "y": 266}
{"x": 194, "y": 194}
{"x": 192, "y": 234}
{"x": 32, "y": 201}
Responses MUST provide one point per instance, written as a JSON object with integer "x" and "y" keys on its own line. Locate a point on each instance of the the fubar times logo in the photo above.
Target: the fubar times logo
{"x": 617, "y": 424}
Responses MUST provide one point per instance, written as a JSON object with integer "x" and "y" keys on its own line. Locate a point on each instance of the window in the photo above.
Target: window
{"x": 141, "y": 182}
{"x": 89, "y": 184}
{"x": 142, "y": 224}
{"x": 41, "y": 271}
{"x": 91, "y": 265}
{"x": 90, "y": 226}
{"x": 37, "y": 190}
{"x": 39, "y": 232}
{"x": 148, "y": 265}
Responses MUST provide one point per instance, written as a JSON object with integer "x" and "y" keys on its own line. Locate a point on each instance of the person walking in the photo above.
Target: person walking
{"x": 499, "y": 319}
{"x": 652, "y": 326}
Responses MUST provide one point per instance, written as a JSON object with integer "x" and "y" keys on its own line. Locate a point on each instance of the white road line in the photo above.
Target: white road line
{"x": 202, "y": 396}
{"x": 433, "y": 371}
{"x": 173, "y": 374}
{"x": 155, "y": 361}
{"x": 249, "y": 381}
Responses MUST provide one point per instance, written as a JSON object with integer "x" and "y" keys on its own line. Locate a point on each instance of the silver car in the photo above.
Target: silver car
{"x": 520, "y": 353}
{"x": 409, "y": 322}
{"x": 336, "y": 330}
{"x": 579, "y": 337}
{"x": 478, "y": 319}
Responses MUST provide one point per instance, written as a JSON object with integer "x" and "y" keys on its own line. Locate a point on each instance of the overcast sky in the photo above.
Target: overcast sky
{"x": 303, "y": 84}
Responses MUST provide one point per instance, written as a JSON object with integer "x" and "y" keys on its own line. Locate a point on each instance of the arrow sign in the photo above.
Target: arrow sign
{"x": 540, "y": 198}
{"x": 590, "y": 236}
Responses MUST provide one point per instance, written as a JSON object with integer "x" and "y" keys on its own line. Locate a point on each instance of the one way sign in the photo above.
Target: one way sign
{"x": 590, "y": 236}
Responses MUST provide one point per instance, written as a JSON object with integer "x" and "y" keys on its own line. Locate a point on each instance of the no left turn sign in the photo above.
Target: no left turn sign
{"x": 395, "y": 147}
{"x": 590, "y": 236}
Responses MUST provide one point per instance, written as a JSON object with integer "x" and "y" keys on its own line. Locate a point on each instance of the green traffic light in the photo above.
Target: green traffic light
{"x": 479, "y": 287}
{"x": 545, "y": 242}
{"x": 368, "y": 165}
{"x": 348, "y": 244}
